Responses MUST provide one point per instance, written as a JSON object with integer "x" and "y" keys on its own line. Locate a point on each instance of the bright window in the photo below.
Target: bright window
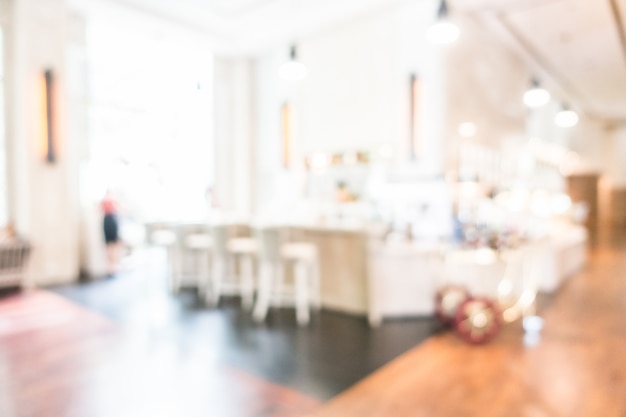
{"x": 150, "y": 123}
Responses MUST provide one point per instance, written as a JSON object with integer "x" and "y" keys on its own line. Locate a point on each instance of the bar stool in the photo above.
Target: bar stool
{"x": 167, "y": 238}
{"x": 272, "y": 289}
{"x": 220, "y": 264}
{"x": 244, "y": 249}
{"x": 198, "y": 244}
{"x": 224, "y": 280}
{"x": 305, "y": 258}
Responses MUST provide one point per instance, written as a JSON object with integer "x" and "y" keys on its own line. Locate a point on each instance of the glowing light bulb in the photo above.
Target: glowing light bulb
{"x": 293, "y": 71}
{"x": 566, "y": 118}
{"x": 443, "y": 32}
{"x": 536, "y": 97}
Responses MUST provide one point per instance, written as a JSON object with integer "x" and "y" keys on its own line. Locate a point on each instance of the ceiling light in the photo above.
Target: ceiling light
{"x": 293, "y": 70}
{"x": 536, "y": 96}
{"x": 467, "y": 130}
{"x": 443, "y": 31}
{"x": 566, "y": 118}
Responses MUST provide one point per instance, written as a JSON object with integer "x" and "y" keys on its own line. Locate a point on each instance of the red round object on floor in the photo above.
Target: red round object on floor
{"x": 447, "y": 301}
{"x": 478, "y": 320}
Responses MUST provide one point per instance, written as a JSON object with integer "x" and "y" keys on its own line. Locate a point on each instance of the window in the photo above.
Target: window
{"x": 150, "y": 122}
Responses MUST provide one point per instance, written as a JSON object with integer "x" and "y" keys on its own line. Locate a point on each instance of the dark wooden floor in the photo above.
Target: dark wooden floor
{"x": 577, "y": 368}
{"x": 320, "y": 360}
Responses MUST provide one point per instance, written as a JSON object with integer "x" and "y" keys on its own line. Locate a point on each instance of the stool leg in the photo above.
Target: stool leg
{"x": 278, "y": 293}
{"x": 247, "y": 281}
{"x": 316, "y": 289}
{"x": 203, "y": 271}
{"x": 197, "y": 267}
{"x": 302, "y": 293}
{"x": 217, "y": 276}
{"x": 266, "y": 278}
{"x": 172, "y": 269}
{"x": 231, "y": 269}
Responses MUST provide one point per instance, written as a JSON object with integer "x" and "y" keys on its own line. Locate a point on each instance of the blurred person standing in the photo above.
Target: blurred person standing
{"x": 214, "y": 213}
{"x": 111, "y": 231}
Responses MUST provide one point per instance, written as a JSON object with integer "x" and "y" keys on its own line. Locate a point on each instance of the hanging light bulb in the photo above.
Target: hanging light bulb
{"x": 293, "y": 70}
{"x": 566, "y": 118}
{"x": 443, "y": 31}
{"x": 536, "y": 96}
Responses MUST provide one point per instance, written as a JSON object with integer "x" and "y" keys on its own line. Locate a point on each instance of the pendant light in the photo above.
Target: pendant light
{"x": 293, "y": 70}
{"x": 536, "y": 96}
{"x": 443, "y": 31}
{"x": 566, "y": 118}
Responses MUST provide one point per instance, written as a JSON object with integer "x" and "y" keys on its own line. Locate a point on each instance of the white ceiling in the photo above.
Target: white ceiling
{"x": 249, "y": 26}
{"x": 573, "y": 42}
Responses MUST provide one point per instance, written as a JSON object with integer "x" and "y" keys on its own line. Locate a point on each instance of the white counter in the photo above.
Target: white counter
{"x": 343, "y": 270}
{"x": 403, "y": 277}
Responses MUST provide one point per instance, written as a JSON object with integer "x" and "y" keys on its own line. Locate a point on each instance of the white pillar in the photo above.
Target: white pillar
{"x": 43, "y": 197}
{"x": 234, "y": 131}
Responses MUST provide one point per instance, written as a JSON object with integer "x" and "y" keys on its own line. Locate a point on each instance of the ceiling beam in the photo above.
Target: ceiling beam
{"x": 497, "y": 18}
{"x": 510, "y": 6}
{"x": 619, "y": 25}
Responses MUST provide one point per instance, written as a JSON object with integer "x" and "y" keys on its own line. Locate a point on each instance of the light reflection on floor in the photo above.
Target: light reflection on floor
{"x": 321, "y": 360}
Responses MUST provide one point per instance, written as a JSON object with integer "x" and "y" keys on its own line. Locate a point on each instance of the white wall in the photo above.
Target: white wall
{"x": 5, "y": 23}
{"x": 347, "y": 101}
{"x": 356, "y": 96}
{"x": 43, "y": 197}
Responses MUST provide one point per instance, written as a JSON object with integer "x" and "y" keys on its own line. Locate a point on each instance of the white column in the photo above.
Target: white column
{"x": 234, "y": 131}
{"x": 43, "y": 196}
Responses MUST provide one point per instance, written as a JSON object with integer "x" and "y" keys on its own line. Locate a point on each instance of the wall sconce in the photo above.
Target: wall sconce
{"x": 414, "y": 145}
{"x": 285, "y": 125}
{"x": 47, "y": 117}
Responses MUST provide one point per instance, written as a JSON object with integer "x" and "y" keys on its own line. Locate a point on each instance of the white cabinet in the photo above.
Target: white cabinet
{"x": 401, "y": 282}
